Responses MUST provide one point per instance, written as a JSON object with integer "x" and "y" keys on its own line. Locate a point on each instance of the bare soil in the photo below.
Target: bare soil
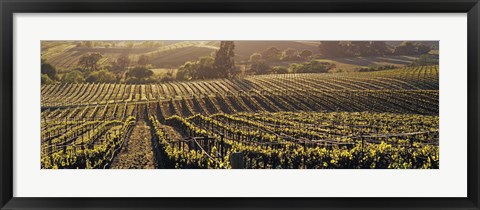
{"x": 137, "y": 151}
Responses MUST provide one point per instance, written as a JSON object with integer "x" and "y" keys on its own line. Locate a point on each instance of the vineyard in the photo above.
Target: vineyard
{"x": 381, "y": 119}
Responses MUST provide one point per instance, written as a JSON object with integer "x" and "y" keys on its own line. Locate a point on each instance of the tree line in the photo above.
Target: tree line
{"x": 88, "y": 70}
{"x": 370, "y": 48}
{"x": 222, "y": 65}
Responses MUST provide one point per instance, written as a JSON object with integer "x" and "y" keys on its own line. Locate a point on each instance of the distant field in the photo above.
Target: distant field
{"x": 352, "y": 64}
{"x": 179, "y": 56}
{"x": 65, "y": 55}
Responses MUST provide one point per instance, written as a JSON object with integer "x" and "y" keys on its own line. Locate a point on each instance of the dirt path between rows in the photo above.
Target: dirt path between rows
{"x": 137, "y": 151}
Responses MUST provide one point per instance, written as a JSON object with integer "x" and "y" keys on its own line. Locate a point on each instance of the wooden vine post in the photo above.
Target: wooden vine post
{"x": 236, "y": 160}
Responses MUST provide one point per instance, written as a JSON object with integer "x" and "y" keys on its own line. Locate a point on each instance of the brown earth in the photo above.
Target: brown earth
{"x": 137, "y": 151}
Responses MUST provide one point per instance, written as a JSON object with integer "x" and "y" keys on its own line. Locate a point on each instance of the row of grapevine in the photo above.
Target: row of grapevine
{"x": 414, "y": 78}
{"x": 93, "y": 147}
{"x": 401, "y": 148}
{"x": 405, "y": 101}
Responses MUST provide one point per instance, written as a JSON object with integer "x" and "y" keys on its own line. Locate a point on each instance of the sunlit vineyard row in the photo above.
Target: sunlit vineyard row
{"x": 268, "y": 140}
{"x": 419, "y": 102}
{"x": 287, "y": 140}
{"x": 412, "y": 78}
{"x": 384, "y": 119}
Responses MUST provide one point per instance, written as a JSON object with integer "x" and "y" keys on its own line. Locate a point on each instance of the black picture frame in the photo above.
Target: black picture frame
{"x": 10, "y": 7}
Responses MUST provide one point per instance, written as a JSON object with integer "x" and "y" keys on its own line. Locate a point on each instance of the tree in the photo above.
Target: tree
{"x": 224, "y": 59}
{"x": 187, "y": 71}
{"x": 139, "y": 75}
{"x": 411, "y": 48}
{"x": 406, "y": 48}
{"x": 310, "y": 67}
{"x": 143, "y": 60}
{"x": 425, "y": 60}
{"x": 123, "y": 61}
{"x": 101, "y": 76}
{"x": 205, "y": 68}
{"x": 306, "y": 54}
{"x": 359, "y": 48}
{"x": 331, "y": 49}
{"x": 201, "y": 69}
{"x": 74, "y": 76}
{"x": 380, "y": 48}
{"x": 289, "y": 55}
{"x": 279, "y": 70}
{"x": 89, "y": 61}
{"x": 353, "y": 48}
{"x": 49, "y": 70}
{"x": 260, "y": 67}
{"x": 46, "y": 80}
{"x": 167, "y": 77}
{"x": 271, "y": 54}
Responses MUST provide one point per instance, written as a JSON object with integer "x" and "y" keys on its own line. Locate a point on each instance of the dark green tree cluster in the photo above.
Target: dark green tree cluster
{"x": 311, "y": 67}
{"x": 295, "y": 55}
{"x": 279, "y": 70}
{"x": 102, "y": 76}
{"x": 353, "y": 48}
{"x": 260, "y": 67}
{"x": 202, "y": 68}
{"x": 88, "y": 62}
{"x": 411, "y": 48}
{"x": 46, "y": 80}
{"x": 224, "y": 59}
{"x": 273, "y": 54}
{"x": 143, "y": 60}
{"x": 120, "y": 64}
{"x": 220, "y": 66}
{"x": 426, "y": 60}
{"x": 334, "y": 49}
{"x": 290, "y": 55}
{"x": 139, "y": 74}
{"x": 89, "y": 70}
{"x": 48, "y": 73}
{"x": 74, "y": 76}
{"x": 260, "y": 63}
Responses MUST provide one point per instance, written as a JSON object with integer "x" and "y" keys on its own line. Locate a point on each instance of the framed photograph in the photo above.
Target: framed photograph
{"x": 239, "y": 105}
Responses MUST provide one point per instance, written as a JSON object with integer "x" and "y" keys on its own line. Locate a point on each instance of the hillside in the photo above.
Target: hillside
{"x": 65, "y": 55}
